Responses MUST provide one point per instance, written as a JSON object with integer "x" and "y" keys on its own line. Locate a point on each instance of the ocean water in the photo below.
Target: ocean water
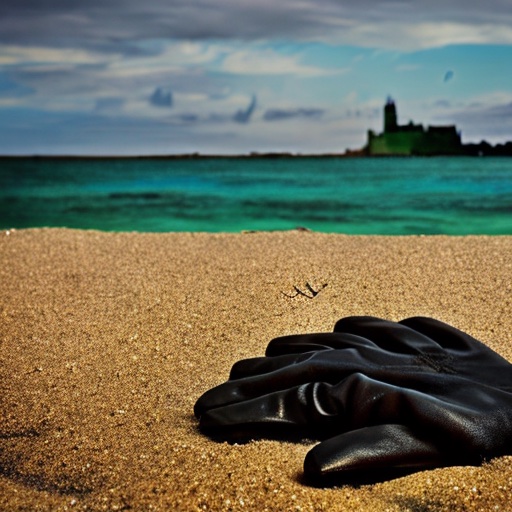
{"x": 392, "y": 196}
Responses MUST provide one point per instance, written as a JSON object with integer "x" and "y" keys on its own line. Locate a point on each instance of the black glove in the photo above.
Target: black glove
{"x": 386, "y": 398}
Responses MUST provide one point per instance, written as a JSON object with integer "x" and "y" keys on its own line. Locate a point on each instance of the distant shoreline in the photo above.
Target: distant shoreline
{"x": 182, "y": 156}
{"x": 251, "y": 156}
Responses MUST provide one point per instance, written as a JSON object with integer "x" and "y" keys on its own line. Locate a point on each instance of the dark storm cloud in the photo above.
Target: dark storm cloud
{"x": 244, "y": 116}
{"x": 283, "y": 114}
{"x": 113, "y": 22}
{"x": 113, "y": 25}
{"x": 161, "y": 98}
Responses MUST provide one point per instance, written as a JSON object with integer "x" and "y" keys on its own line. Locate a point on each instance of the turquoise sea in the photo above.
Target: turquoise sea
{"x": 343, "y": 195}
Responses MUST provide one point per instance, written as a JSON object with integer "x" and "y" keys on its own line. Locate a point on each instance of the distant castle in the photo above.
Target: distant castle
{"x": 412, "y": 139}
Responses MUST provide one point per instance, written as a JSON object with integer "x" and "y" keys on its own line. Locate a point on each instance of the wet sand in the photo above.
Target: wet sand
{"x": 108, "y": 339}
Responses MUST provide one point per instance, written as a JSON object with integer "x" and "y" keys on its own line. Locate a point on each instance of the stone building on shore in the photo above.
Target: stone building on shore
{"x": 412, "y": 139}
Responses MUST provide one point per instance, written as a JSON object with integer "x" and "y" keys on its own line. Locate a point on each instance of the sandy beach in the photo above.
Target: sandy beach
{"x": 108, "y": 339}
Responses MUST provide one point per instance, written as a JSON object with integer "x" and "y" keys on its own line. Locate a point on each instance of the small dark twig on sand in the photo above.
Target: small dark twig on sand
{"x": 310, "y": 292}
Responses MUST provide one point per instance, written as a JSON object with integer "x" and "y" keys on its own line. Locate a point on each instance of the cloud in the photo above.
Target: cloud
{"x": 109, "y": 104}
{"x": 442, "y": 104}
{"x": 486, "y": 110}
{"x": 448, "y": 76}
{"x": 90, "y": 60}
{"x": 284, "y": 114}
{"x": 187, "y": 118}
{"x": 267, "y": 61}
{"x": 117, "y": 25}
{"x": 487, "y": 116}
{"x": 161, "y": 98}
{"x": 13, "y": 54}
{"x": 244, "y": 116}
{"x": 405, "y": 68}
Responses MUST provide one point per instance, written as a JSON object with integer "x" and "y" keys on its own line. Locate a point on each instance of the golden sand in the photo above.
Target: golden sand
{"x": 108, "y": 339}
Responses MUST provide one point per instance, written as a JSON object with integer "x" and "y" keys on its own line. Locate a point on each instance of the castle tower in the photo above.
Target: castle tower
{"x": 390, "y": 120}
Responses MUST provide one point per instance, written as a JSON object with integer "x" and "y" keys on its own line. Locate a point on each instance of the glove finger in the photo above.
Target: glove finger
{"x": 370, "y": 454}
{"x": 347, "y": 362}
{"x": 299, "y": 343}
{"x": 349, "y": 380}
{"x": 241, "y": 390}
{"x": 252, "y": 406}
{"x": 295, "y": 410}
{"x": 445, "y": 335}
{"x": 314, "y": 366}
{"x": 262, "y": 365}
{"x": 472, "y": 358}
{"x": 391, "y": 336}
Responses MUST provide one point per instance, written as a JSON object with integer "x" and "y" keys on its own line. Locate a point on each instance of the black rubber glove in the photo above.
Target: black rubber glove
{"x": 387, "y": 398}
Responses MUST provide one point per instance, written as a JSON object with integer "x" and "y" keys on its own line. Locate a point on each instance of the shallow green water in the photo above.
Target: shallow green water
{"x": 363, "y": 196}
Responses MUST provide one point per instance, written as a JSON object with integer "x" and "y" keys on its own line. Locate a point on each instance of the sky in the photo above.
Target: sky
{"x": 131, "y": 77}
